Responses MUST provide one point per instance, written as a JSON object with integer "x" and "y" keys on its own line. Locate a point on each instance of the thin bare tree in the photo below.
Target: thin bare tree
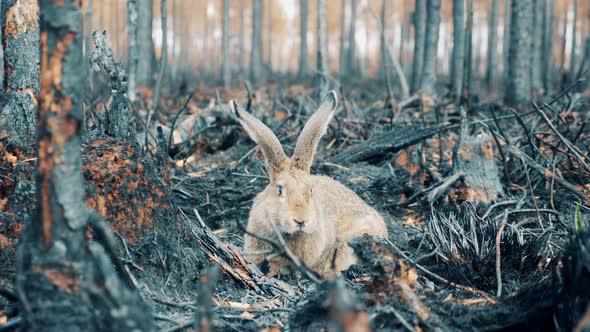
{"x": 225, "y": 70}
{"x": 428, "y": 80}
{"x": 322, "y": 49}
{"x": 548, "y": 34}
{"x": 145, "y": 44}
{"x": 491, "y": 68}
{"x": 303, "y": 15}
{"x": 133, "y": 54}
{"x": 419, "y": 43}
{"x": 256, "y": 47}
{"x": 537, "y": 46}
{"x": 572, "y": 70}
{"x": 458, "y": 56}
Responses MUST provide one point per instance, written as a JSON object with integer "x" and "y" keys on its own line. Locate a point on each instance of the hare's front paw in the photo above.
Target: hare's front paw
{"x": 345, "y": 257}
{"x": 278, "y": 266}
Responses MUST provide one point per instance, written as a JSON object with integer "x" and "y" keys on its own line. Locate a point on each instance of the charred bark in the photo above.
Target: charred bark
{"x": 518, "y": 87}
{"x": 66, "y": 282}
{"x": 419, "y": 18}
{"x": 428, "y": 80}
{"x": 20, "y": 32}
{"x": 473, "y": 158}
{"x": 379, "y": 146}
{"x": 102, "y": 59}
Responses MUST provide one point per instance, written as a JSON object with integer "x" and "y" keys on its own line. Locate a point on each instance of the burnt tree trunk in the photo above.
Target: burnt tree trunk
{"x": 458, "y": 57}
{"x": 304, "y": 13}
{"x": 351, "y": 68}
{"x": 342, "y": 50}
{"x": 225, "y": 70}
{"x": 383, "y": 41}
{"x": 322, "y": 49}
{"x": 145, "y": 44}
{"x": 492, "y": 43}
{"x": 133, "y": 54}
{"x": 66, "y": 282}
{"x": 419, "y": 38}
{"x": 573, "y": 59}
{"x": 20, "y": 32}
{"x": 506, "y": 39}
{"x": 548, "y": 26}
{"x": 102, "y": 59}
{"x": 428, "y": 79}
{"x": 537, "y": 47}
{"x": 242, "y": 55}
{"x": 473, "y": 158}
{"x": 518, "y": 87}
{"x": 468, "y": 64}
{"x": 256, "y": 49}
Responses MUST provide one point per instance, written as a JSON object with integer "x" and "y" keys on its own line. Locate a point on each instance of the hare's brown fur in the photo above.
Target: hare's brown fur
{"x": 316, "y": 215}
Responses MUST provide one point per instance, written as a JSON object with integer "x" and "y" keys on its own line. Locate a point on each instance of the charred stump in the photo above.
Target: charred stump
{"x": 20, "y": 32}
{"x": 474, "y": 160}
{"x": 64, "y": 281}
{"x": 102, "y": 58}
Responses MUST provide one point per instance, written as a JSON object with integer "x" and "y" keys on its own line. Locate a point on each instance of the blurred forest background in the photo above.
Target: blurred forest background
{"x": 288, "y": 30}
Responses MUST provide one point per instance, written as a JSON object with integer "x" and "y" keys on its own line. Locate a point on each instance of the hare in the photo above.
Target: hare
{"x": 316, "y": 215}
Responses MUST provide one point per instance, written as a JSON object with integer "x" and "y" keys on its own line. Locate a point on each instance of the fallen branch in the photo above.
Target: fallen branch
{"x": 381, "y": 145}
{"x": 499, "y": 254}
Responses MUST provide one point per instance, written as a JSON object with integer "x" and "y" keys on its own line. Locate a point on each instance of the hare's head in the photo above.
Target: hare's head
{"x": 291, "y": 191}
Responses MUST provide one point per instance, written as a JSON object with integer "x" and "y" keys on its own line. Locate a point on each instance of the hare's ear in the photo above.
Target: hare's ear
{"x": 275, "y": 157}
{"x": 314, "y": 129}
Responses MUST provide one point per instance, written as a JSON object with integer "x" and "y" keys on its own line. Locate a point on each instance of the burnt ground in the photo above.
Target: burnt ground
{"x": 440, "y": 268}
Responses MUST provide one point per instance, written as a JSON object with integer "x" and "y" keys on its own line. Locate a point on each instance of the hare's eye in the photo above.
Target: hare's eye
{"x": 281, "y": 191}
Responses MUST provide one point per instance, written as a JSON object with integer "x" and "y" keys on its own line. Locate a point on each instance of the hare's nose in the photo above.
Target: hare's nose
{"x": 299, "y": 222}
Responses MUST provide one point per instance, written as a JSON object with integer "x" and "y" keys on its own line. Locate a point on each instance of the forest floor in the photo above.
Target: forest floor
{"x": 520, "y": 258}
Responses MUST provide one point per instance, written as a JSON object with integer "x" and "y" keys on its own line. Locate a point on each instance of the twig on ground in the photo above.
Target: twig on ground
{"x": 281, "y": 249}
{"x": 565, "y": 141}
{"x": 499, "y": 254}
{"x": 176, "y": 118}
{"x": 439, "y": 278}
